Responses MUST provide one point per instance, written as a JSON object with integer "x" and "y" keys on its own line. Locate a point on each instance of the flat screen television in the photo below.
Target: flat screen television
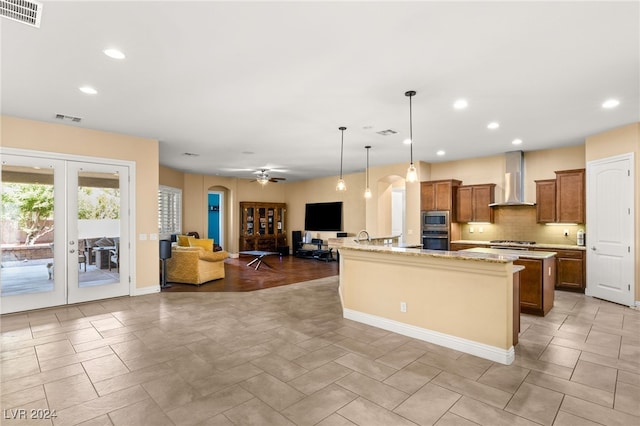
{"x": 323, "y": 216}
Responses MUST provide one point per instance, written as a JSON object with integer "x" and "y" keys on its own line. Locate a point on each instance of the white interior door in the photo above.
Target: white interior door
{"x": 610, "y": 229}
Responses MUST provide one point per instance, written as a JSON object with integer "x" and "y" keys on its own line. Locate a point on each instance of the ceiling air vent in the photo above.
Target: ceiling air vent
{"x": 68, "y": 117}
{"x": 25, "y": 11}
{"x": 387, "y": 132}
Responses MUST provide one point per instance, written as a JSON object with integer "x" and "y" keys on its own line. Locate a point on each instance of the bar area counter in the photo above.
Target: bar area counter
{"x": 460, "y": 300}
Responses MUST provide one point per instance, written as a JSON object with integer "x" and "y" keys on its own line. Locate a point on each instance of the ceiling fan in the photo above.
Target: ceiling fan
{"x": 263, "y": 177}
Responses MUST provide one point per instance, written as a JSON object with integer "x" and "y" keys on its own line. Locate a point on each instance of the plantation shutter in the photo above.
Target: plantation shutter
{"x": 169, "y": 211}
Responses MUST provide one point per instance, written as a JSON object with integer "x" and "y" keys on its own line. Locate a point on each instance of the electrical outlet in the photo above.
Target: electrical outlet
{"x": 403, "y": 306}
{"x": 471, "y": 230}
{"x": 481, "y": 230}
{"x": 566, "y": 232}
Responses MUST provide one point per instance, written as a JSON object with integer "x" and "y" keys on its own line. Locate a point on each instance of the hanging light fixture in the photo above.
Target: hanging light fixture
{"x": 263, "y": 178}
{"x": 412, "y": 175}
{"x": 367, "y": 191}
{"x": 341, "y": 186}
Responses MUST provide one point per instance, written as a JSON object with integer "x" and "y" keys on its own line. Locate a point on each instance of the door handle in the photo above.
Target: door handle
{"x": 72, "y": 251}
{"x": 593, "y": 248}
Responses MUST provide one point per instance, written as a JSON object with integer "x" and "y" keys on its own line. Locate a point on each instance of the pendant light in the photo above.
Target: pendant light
{"x": 341, "y": 186}
{"x": 412, "y": 175}
{"x": 367, "y": 191}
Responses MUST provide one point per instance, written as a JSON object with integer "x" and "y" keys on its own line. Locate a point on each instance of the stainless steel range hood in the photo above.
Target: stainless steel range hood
{"x": 513, "y": 181}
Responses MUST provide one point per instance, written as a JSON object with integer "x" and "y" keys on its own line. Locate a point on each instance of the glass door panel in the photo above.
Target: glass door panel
{"x": 97, "y": 236}
{"x": 32, "y": 220}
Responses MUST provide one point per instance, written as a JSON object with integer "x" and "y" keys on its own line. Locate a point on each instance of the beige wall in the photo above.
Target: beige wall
{"x": 616, "y": 142}
{"x": 57, "y": 138}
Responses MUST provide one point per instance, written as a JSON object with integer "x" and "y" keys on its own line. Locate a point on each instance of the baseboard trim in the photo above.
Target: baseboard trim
{"x": 146, "y": 290}
{"x": 481, "y": 350}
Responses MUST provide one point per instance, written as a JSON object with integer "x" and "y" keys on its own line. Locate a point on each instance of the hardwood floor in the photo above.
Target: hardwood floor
{"x": 277, "y": 272}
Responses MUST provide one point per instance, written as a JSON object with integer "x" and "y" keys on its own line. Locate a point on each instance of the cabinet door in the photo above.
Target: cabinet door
{"x": 483, "y": 195}
{"x": 546, "y": 201}
{"x": 570, "y": 270}
{"x": 465, "y": 204}
{"x": 570, "y": 196}
{"x": 443, "y": 197}
{"x": 530, "y": 285}
{"x": 427, "y": 196}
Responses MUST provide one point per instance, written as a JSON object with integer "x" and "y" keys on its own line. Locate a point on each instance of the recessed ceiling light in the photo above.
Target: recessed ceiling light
{"x": 441, "y": 152}
{"x": 460, "y": 104}
{"x": 517, "y": 141}
{"x": 493, "y": 125}
{"x": 88, "y": 90}
{"x": 114, "y": 53}
{"x": 610, "y": 103}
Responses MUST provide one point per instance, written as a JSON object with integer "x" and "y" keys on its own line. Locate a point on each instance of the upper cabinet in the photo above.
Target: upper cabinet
{"x": 546, "y": 201}
{"x": 561, "y": 199}
{"x": 473, "y": 203}
{"x": 439, "y": 195}
{"x": 570, "y": 195}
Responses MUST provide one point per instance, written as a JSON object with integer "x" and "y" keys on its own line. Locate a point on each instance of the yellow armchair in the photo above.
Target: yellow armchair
{"x": 195, "y": 265}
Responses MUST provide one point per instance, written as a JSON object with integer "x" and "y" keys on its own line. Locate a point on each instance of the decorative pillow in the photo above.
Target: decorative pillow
{"x": 183, "y": 240}
{"x": 203, "y": 242}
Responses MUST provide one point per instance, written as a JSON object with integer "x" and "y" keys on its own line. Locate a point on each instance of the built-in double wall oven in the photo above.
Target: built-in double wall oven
{"x": 436, "y": 230}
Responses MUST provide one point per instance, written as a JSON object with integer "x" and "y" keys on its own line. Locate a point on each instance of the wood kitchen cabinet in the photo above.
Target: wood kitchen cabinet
{"x": 439, "y": 195}
{"x": 546, "y": 201}
{"x": 562, "y": 199}
{"x": 570, "y": 270}
{"x": 537, "y": 283}
{"x": 570, "y": 196}
{"x": 473, "y": 203}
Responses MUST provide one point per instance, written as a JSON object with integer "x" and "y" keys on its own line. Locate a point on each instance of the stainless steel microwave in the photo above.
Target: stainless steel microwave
{"x": 435, "y": 219}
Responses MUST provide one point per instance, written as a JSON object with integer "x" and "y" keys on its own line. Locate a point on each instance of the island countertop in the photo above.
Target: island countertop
{"x": 498, "y": 257}
{"x": 527, "y": 254}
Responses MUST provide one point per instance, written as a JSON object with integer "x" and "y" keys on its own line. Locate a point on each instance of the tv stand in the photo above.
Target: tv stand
{"x": 307, "y": 251}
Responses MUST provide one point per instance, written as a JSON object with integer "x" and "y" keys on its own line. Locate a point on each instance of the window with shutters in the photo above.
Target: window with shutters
{"x": 169, "y": 211}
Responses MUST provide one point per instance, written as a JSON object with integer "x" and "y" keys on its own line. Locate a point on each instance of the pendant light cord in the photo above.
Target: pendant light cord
{"x": 341, "y": 151}
{"x": 411, "y": 125}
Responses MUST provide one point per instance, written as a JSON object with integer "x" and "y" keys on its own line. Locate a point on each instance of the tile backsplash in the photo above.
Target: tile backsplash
{"x": 519, "y": 223}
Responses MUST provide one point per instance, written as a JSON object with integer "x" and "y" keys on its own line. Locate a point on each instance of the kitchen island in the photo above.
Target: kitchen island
{"x": 537, "y": 281}
{"x": 463, "y": 301}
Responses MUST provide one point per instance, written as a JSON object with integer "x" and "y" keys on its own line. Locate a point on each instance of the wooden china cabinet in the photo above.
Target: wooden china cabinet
{"x": 262, "y": 226}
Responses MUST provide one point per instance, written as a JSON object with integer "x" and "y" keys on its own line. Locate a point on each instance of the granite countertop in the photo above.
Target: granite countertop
{"x": 526, "y": 254}
{"x": 536, "y": 246}
{"x": 460, "y": 255}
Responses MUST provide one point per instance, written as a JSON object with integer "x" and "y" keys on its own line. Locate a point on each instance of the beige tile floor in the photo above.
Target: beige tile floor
{"x": 285, "y": 356}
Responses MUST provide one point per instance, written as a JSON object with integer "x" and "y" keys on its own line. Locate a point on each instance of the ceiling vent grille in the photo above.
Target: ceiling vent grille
{"x": 25, "y": 11}
{"x": 68, "y": 118}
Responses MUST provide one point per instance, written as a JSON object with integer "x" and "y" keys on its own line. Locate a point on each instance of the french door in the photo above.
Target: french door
{"x": 65, "y": 232}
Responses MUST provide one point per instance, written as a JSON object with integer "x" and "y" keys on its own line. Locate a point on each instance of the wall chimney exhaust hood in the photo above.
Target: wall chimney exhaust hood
{"x": 513, "y": 181}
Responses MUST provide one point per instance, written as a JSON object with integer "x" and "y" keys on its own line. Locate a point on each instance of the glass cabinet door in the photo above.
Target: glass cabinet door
{"x": 262, "y": 217}
{"x": 270, "y": 221}
{"x": 280, "y": 223}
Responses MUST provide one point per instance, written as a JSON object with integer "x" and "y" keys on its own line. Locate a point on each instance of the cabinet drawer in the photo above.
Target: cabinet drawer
{"x": 570, "y": 254}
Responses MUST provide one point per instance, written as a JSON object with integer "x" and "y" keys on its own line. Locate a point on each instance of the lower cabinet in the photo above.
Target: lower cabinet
{"x": 571, "y": 270}
{"x": 537, "y": 284}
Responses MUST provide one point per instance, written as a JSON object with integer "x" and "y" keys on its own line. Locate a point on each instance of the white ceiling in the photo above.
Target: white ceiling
{"x": 267, "y": 84}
